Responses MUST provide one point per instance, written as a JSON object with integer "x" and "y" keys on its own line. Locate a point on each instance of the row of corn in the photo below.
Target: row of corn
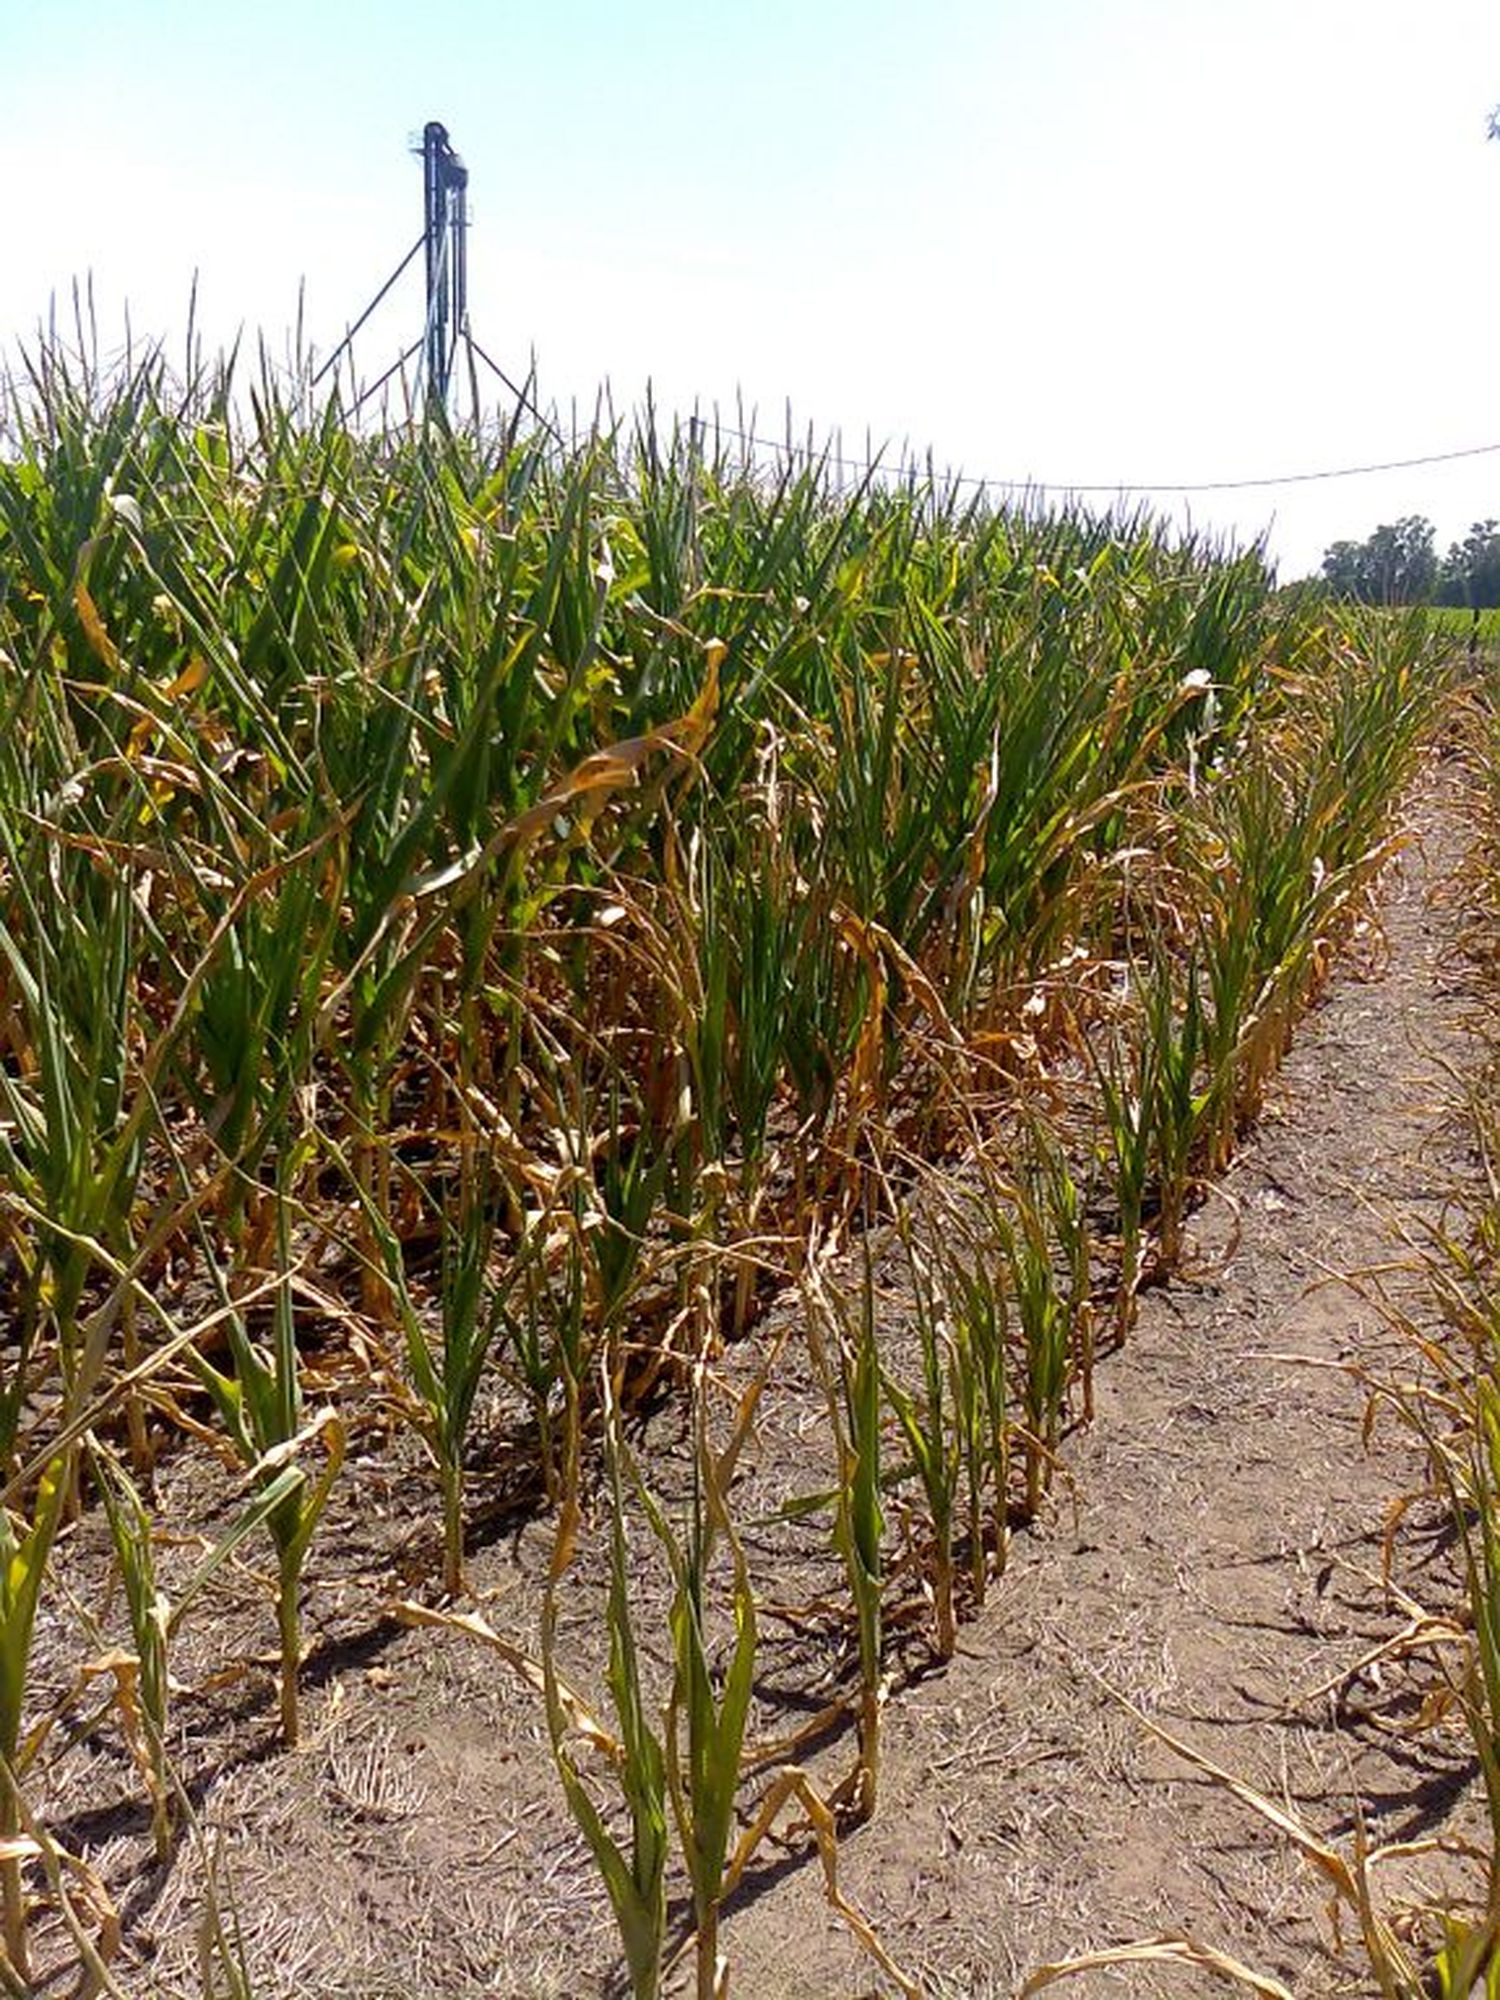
{"x": 1443, "y": 1298}
{"x": 522, "y": 910}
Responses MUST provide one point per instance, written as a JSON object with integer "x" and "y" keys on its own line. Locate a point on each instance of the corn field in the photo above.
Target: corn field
{"x": 575, "y": 927}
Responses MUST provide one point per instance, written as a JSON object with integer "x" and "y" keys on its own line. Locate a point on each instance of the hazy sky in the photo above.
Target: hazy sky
{"x": 1072, "y": 241}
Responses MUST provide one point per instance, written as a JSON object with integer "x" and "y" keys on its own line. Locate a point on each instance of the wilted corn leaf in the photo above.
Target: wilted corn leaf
{"x": 1159, "y": 1951}
{"x": 99, "y": 640}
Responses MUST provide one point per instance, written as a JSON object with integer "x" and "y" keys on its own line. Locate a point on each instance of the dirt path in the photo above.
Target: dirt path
{"x": 1219, "y": 1563}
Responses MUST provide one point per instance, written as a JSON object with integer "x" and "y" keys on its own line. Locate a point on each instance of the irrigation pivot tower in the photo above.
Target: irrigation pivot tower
{"x": 445, "y": 181}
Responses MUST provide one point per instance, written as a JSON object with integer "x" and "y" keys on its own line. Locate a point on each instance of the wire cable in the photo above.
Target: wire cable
{"x": 1309, "y": 478}
{"x": 790, "y": 450}
{"x": 348, "y": 338}
{"x": 380, "y": 381}
{"x": 521, "y": 395}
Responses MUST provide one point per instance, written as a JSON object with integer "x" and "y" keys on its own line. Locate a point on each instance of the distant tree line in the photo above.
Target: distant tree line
{"x": 1399, "y": 564}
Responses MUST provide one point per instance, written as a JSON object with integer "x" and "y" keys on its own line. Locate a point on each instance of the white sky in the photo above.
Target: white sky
{"x": 1092, "y": 241}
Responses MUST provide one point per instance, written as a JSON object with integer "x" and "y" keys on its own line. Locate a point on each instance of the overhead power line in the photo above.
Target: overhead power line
{"x": 1299, "y": 478}
{"x": 790, "y": 449}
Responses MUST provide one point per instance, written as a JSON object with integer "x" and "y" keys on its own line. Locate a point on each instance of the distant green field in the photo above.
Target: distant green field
{"x": 1458, "y": 620}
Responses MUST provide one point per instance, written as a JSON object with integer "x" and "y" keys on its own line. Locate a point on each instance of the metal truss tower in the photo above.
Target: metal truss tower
{"x": 445, "y": 181}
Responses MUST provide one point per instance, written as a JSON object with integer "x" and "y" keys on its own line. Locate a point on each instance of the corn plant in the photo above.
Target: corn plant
{"x": 1453, "y": 1407}
{"x": 548, "y": 1341}
{"x": 776, "y": 1003}
{"x": 25, "y": 1547}
{"x": 1043, "y": 1321}
{"x": 1182, "y": 1101}
{"x": 444, "y": 1372}
{"x": 635, "y": 1878}
{"x": 1127, "y": 1083}
{"x": 249, "y": 1044}
{"x": 261, "y": 1408}
{"x": 155, "y": 1617}
{"x": 76, "y": 1116}
{"x": 703, "y": 1772}
{"x": 974, "y": 1289}
{"x": 1474, "y": 1487}
{"x": 930, "y": 1424}
{"x": 1065, "y": 1206}
{"x": 851, "y": 1379}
